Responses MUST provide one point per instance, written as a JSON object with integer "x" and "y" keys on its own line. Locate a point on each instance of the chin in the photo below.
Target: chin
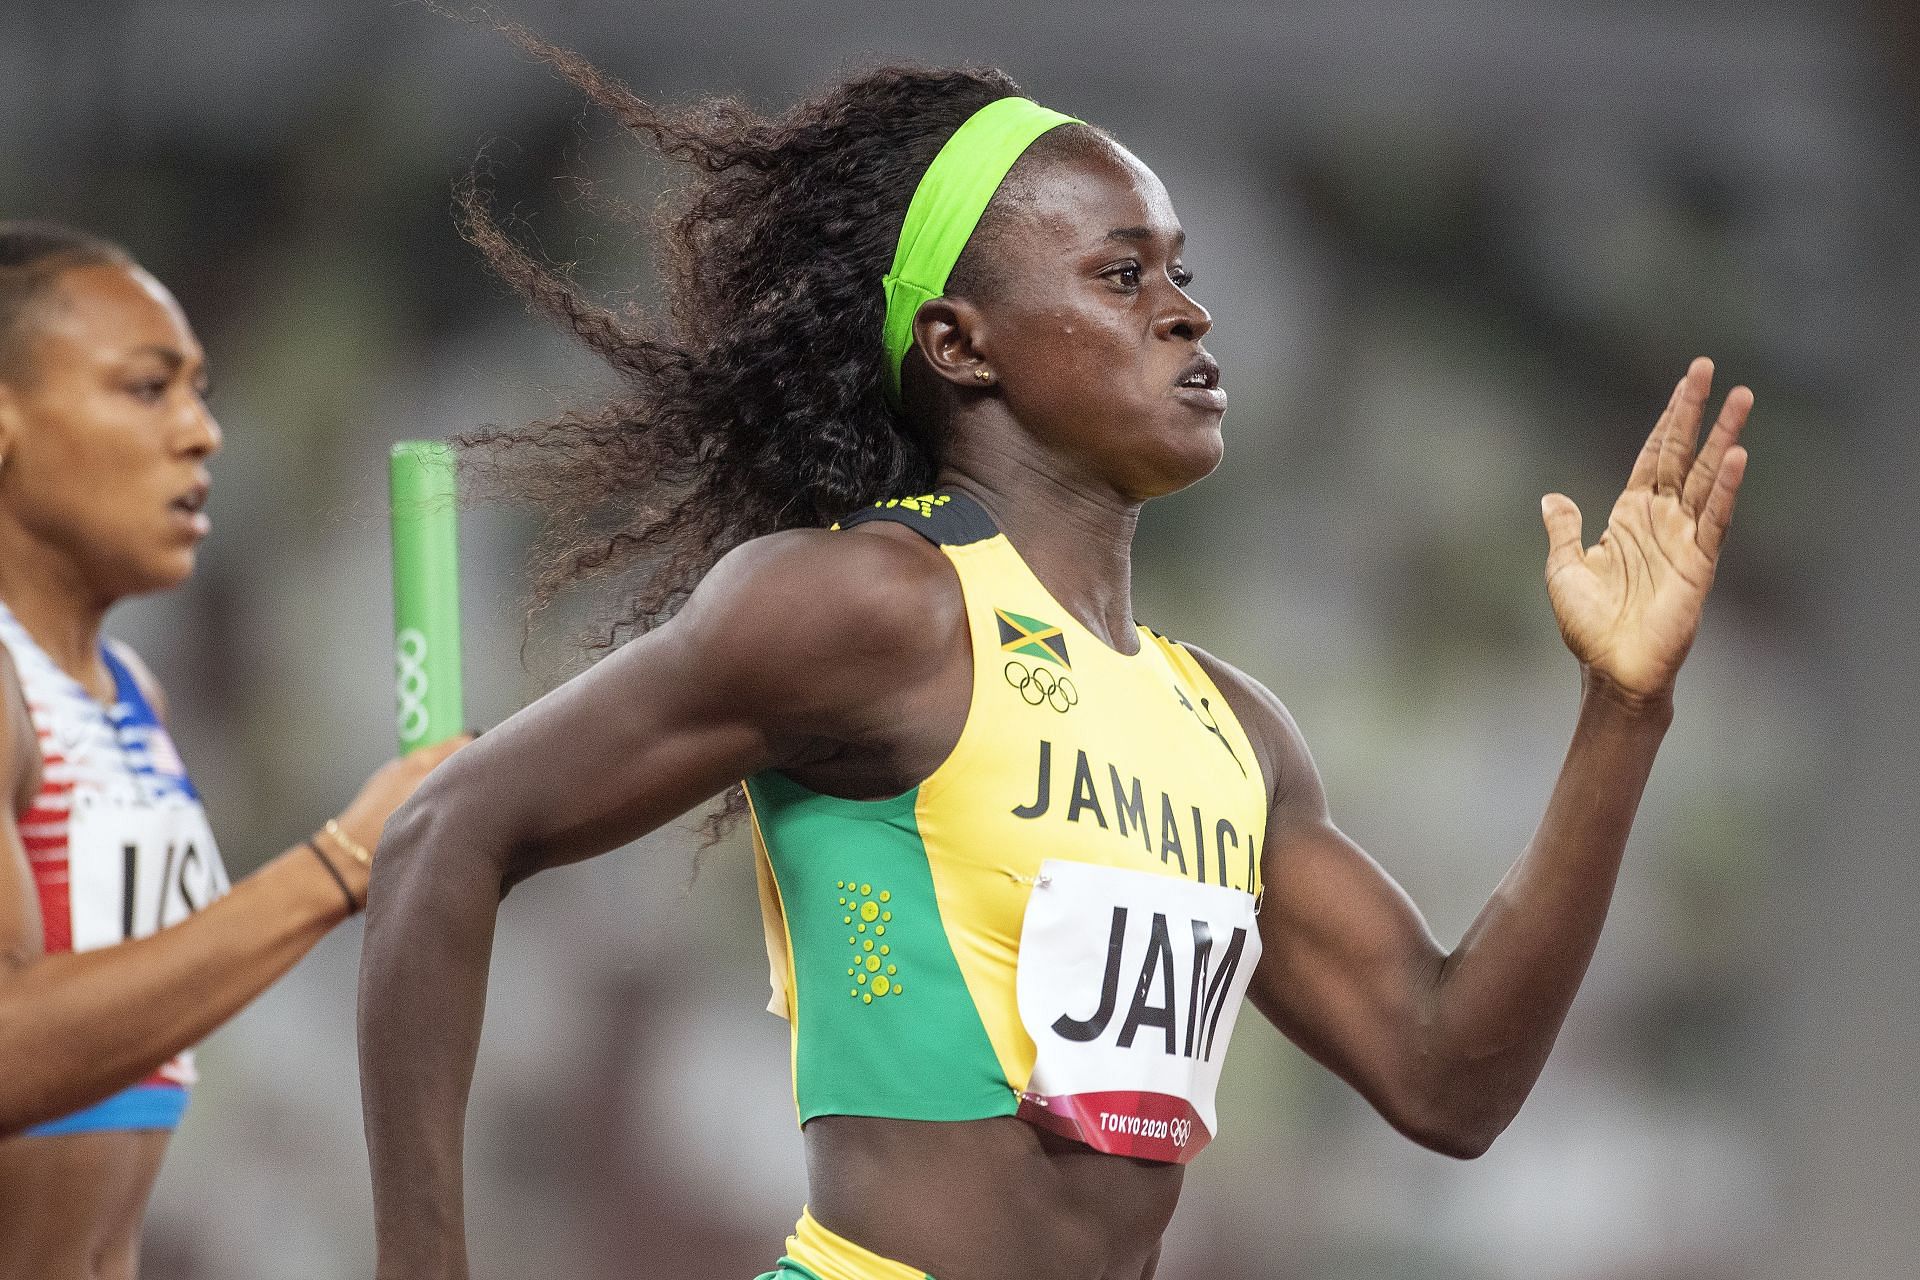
{"x": 163, "y": 573}
{"x": 1172, "y": 474}
{"x": 1189, "y": 460}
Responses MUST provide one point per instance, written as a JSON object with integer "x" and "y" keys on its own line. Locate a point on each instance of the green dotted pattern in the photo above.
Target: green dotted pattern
{"x": 884, "y": 1024}
{"x": 874, "y": 973}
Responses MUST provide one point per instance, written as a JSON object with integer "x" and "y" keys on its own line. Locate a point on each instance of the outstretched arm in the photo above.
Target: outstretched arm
{"x": 76, "y": 1027}
{"x": 1447, "y": 1045}
{"x": 792, "y": 648}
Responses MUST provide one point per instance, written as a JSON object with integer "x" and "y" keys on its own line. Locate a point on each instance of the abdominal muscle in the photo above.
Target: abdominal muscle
{"x": 71, "y": 1206}
{"x": 992, "y": 1199}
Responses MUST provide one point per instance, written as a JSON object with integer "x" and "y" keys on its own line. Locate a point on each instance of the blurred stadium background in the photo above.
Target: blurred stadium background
{"x": 1456, "y": 255}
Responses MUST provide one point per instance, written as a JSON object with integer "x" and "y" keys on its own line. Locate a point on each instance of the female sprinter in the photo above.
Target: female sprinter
{"x": 1019, "y": 856}
{"x": 120, "y": 943}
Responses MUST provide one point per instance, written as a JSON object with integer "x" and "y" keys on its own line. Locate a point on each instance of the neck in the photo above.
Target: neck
{"x": 1074, "y": 533}
{"x": 57, "y": 605}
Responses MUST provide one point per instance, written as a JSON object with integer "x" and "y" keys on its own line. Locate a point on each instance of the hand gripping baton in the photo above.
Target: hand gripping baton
{"x": 426, "y": 593}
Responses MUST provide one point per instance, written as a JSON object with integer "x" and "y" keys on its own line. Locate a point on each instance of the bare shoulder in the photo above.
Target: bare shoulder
{"x": 19, "y": 746}
{"x": 865, "y": 582}
{"x": 810, "y": 619}
{"x": 1293, "y": 782}
{"x": 142, "y": 676}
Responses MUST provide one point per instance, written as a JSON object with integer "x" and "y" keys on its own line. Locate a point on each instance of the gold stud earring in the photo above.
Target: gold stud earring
{"x": 984, "y": 375}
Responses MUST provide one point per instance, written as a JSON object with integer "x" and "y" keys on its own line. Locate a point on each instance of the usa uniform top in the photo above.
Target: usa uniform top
{"x": 117, "y": 840}
{"x": 1058, "y": 922}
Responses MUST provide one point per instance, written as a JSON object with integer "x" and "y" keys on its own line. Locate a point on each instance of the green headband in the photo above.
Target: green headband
{"x": 946, "y": 207}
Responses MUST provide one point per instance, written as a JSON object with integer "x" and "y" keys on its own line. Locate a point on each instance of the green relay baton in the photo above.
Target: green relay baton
{"x": 426, "y": 593}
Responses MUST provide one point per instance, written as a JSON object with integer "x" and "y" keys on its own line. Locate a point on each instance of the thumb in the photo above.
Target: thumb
{"x": 1562, "y": 519}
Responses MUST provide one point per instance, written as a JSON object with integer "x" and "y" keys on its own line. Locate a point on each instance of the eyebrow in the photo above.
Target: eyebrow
{"x": 1143, "y": 234}
{"x": 173, "y": 359}
{"x": 167, "y": 355}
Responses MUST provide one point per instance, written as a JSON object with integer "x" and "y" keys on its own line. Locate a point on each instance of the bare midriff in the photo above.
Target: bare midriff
{"x": 71, "y": 1206}
{"x": 993, "y": 1199}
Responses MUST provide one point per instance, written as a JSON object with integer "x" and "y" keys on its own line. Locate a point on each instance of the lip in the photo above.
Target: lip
{"x": 189, "y": 510}
{"x": 1210, "y": 398}
{"x": 1209, "y": 394}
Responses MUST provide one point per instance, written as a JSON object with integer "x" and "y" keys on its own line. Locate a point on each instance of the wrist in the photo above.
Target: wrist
{"x": 353, "y": 902}
{"x": 340, "y": 841}
{"x": 348, "y": 862}
{"x": 1603, "y": 693}
{"x": 307, "y": 881}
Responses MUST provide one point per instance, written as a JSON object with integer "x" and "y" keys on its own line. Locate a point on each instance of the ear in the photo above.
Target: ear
{"x": 951, "y": 336}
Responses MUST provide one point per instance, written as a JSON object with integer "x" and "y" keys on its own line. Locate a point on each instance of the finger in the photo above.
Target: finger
{"x": 1719, "y": 510}
{"x": 1676, "y": 450}
{"x": 1562, "y": 518}
{"x": 1645, "y": 465}
{"x": 1725, "y": 433}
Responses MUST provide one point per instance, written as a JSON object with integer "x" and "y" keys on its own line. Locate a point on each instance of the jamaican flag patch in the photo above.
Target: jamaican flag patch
{"x": 1031, "y": 638}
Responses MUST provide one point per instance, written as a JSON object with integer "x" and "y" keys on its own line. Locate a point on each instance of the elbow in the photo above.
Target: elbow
{"x": 28, "y": 1102}
{"x": 410, "y": 825}
{"x": 1461, "y": 1139}
{"x": 427, "y": 828}
{"x": 431, "y": 850}
{"x": 412, "y": 839}
{"x": 29, "y": 1094}
{"x": 406, "y": 834}
{"x": 1458, "y": 1116}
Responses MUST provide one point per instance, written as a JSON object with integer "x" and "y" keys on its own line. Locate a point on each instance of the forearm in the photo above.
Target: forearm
{"x": 423, "y": 982}
{"x": 76, "y": 1027}
{"x": 1499, "y": 998}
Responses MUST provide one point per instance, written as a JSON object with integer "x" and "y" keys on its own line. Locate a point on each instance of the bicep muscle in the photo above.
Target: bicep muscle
{"x": 782, "y": 651}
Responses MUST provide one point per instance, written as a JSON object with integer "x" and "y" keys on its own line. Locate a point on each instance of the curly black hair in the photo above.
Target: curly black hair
{"x": 754, "y": 403}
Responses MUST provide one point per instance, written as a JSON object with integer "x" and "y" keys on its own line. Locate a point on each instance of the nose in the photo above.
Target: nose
{"x": 203, "y": 437}
{"x": 1184, "y": 320}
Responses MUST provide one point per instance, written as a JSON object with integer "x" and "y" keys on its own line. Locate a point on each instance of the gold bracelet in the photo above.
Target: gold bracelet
{"x": 353, "y": 847}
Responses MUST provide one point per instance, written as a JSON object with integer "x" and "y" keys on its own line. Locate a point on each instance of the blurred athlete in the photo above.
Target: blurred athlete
{"x": 121, "y": 942}
{"x": 1019, "y": 857}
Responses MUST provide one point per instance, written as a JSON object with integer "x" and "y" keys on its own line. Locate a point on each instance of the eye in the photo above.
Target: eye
{"x": 1124, "y": 274}
{"x": 148, "y": 390}
{"x": 1180, "y": 276}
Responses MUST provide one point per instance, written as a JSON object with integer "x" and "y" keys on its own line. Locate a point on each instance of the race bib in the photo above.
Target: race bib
{"x": 136, "y": 869}
{"x": 1129, "y": 983}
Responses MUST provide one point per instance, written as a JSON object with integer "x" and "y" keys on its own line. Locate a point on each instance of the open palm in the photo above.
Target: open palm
{"x": 1629, "y": 605}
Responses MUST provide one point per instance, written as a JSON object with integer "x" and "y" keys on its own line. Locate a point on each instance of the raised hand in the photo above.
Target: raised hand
{"x": 1629, "y": 605}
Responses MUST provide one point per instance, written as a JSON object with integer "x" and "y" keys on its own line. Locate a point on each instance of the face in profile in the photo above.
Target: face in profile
{"x": 105, "y": 433}
{"x": 1088, "y": 325}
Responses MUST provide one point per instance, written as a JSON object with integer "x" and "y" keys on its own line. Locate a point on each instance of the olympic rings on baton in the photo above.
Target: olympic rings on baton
{"x": 1037, "y": 685}
{"x": 410, "y": 682}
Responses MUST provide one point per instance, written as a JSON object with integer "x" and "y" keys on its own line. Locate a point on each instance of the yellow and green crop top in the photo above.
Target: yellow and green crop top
{"x": 893, "y": 926}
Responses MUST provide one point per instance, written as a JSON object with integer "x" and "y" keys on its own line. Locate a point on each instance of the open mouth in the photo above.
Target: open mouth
{"x": 192, "y": 502}
{"x": 1203, "y": 374}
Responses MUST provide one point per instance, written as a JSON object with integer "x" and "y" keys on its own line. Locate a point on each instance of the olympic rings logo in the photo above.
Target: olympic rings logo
{"x": 1037, "y": 685}
{"x": 410, "y": 682}
{"x": 1181, "y": 1130}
